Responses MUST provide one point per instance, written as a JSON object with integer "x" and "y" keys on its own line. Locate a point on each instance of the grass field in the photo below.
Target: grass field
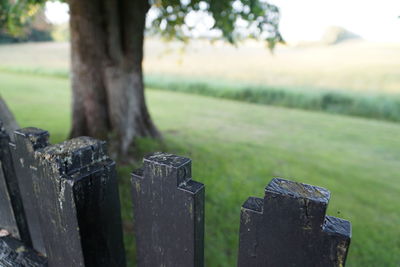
{"x": 351, "y": 66}
{"x": 354, "y": 78}
{"x": 238, "y": 147}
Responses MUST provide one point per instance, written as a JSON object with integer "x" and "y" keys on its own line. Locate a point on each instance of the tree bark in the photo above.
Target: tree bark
{"x": 106, "y": 65}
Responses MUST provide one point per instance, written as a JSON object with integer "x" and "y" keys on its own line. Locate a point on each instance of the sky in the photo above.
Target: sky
{"x": 306, "y": 20}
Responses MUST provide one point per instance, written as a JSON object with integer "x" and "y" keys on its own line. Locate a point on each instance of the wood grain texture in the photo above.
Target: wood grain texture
{"x": 27, "y": 141}
{"x": 289, "y": 228}
{"x": 168, "y": 213}
{"x": 13, "y": 253}
{"x": 79, "y": 204}
{"x": 13, "y": 217}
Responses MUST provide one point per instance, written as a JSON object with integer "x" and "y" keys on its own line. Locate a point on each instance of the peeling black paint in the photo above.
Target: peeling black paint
{"x": 13, "y": 217}
{"x": 79, "y": 204}
{"x": 13, "y": 253}
{"x": 27, "y": 141}
{"x": 289, "y": 228}
{"x": 168, "y": 213}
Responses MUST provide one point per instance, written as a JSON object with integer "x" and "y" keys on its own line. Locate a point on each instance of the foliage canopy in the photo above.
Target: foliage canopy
{"x": 231, "y": 20}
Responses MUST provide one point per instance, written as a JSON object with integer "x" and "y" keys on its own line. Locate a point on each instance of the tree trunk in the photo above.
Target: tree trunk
{"x": 106, "y": 62}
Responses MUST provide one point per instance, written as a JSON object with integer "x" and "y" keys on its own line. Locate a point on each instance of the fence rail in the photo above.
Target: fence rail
{"x": 59, "y": 206}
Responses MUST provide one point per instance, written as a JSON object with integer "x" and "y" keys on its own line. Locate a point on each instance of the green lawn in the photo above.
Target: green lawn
{"x": 238, "y": 147}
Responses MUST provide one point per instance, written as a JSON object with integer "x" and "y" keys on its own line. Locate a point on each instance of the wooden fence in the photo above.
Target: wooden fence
{"x": 59, "y": 206}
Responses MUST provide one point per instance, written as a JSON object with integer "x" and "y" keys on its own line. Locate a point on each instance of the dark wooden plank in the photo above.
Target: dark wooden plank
{"x": 289, "y": 228}
{"x": 168, "y": 213}
{"x": 12, "y": 217}
{"x": 13, "y": 253}
{"x": 7, "y": 217}
{"x": 27, "y": 141}
{"x": 79, "y": 204}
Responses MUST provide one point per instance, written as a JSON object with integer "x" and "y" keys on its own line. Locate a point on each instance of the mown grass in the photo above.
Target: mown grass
{"x": 237, "y": 148}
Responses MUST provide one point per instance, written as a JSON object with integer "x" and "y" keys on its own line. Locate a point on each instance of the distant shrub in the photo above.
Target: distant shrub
{"x": 382, "y": 107}
{"x": 33, "y": 30}
{"x": 335, "y": 35}
{"x": 33, "y": 36}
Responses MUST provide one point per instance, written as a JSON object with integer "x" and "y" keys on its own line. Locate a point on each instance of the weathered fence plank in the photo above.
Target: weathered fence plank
{"x": 64, "y": 200}
{"x": 27, "y": 141}
{"x": 79, "y": 204}
{"x": 14, "y": 253}
{"x": 12, "y": 216}
{"x": 7, "y": 217}
{"x": 289, "y": 228}
{"x": 168, "y": 213}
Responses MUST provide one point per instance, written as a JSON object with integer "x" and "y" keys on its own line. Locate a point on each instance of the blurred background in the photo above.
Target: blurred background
{"x": 322, "y": 107}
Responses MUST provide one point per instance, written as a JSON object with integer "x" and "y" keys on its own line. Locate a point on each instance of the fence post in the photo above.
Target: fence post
{"x": 78, "y": 203}
{"x": 168, "y": 212}
{"x": 289, "y": 228}
{"x": 27, "y": 141}
{"x": 7, "y": 218}
{"x": 11, "y": 205}
{"x": 15, "y": 253}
